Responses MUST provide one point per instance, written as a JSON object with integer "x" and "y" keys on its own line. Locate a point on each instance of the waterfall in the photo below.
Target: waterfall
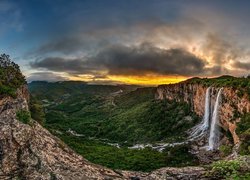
{"x": 214, "y": 129}
{"x": 200, "y": 129}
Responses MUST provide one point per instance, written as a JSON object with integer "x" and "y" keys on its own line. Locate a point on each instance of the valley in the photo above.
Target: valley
{"x": 84, "y": 116}
{"x": 146, "y": 128}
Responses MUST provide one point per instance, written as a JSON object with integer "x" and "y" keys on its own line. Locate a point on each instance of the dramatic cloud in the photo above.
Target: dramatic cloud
{"x": 124, "y": 60}
{"x": 159, "y": 33}
{"x": 187, "y": 47}
{"x": 242, "y": 65}
{"x": 72, "y": 66}
{"x": 45, "y": 76}
{"x": 221, "y": 51}
{"x": 97, "y": 41}
{"x": 65, "y": 45}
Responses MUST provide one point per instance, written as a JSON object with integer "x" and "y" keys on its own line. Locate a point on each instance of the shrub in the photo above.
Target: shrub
{"x": 245, "y": 143}
{"x": 226, "y": 169}
{"x": 225, "y": 149}
{"x": 36, "y": 110}
{"x": 243, "y": 130}
{"x": 23, "y": 116}
{"x": 11, "y": 77}
{"x": 232, "y": 169}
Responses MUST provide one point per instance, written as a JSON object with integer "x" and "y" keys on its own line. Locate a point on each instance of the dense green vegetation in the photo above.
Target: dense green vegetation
{"x": 23, "y": 116}
{"x": 135, "y": 118}
{"x": 130, "y": 159}
{"x": 61, "y": 90}
{"x": 243, "y": 130}
{"x": 225, "y": 150}
{"x": 108, "y": 115}
{"x": 242, "y": 84}
{"x": 233, "y": 169}
{"x": 36, "y": 110}
{"x": 11, "y": 77}
{"x": 148, "y": 121}
{"x": 90, "y": 118}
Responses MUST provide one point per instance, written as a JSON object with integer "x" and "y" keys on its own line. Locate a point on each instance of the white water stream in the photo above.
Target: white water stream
{"x": 201, "y": 129}
{"x": 214, "y": 129}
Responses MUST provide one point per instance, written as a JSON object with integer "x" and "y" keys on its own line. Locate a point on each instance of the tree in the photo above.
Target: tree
{"x": 11, "y": 77}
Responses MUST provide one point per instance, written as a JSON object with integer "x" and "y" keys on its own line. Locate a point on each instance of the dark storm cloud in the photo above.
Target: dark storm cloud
{"x": 155, "y": 32}
{"x": 124, "y": 60}
{"x": 73, "y": 66}
{"x": 147, "y": 58}
{"x": 242, "y": 65}
{"x": 45, "y": 76}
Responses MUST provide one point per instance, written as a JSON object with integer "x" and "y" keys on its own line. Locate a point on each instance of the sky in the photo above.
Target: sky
{"x": 146, "y": 42}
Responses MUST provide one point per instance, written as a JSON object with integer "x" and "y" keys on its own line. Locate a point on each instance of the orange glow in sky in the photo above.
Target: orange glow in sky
{"x": 147, "y": 80}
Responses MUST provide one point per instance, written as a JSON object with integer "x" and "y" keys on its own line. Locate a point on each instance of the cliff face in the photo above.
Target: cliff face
{"x": 28, "y": 151}
{"x": 194, "y": 94}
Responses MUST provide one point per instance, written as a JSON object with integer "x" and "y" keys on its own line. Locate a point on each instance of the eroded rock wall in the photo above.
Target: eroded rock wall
{"x": 194, "y": 94}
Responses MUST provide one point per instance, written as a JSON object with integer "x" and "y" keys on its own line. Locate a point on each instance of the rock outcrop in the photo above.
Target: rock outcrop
{"x": 194, "y": 94}
{"x": 28, "y": 151}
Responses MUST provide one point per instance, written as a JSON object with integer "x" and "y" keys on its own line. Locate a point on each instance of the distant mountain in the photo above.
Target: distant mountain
{"x": 51, "y": 90}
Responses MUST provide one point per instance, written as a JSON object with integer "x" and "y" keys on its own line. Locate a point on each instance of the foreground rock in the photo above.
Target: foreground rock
{"x": 169, "y": 173}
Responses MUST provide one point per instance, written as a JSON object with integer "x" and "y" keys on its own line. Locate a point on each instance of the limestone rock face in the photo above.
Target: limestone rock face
{"x": 31, "y": 152}
{"x": 194, "y": 94}
{"x": 28, "y": 151}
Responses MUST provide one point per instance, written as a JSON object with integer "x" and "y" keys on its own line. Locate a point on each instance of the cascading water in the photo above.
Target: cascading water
{"x": 214, "y": 129}
{"x": 200, "y": 129}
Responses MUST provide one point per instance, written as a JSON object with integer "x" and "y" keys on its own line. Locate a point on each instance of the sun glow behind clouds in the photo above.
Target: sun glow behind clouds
{"x": 148, "y": 79}
{"x": 145, "y": 80}
{"x": 171, "y": 41}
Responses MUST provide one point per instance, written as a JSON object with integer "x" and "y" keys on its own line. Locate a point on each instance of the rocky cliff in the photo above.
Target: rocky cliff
{"x": 28, "y": 151}
{"x": 231, "y": 107}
